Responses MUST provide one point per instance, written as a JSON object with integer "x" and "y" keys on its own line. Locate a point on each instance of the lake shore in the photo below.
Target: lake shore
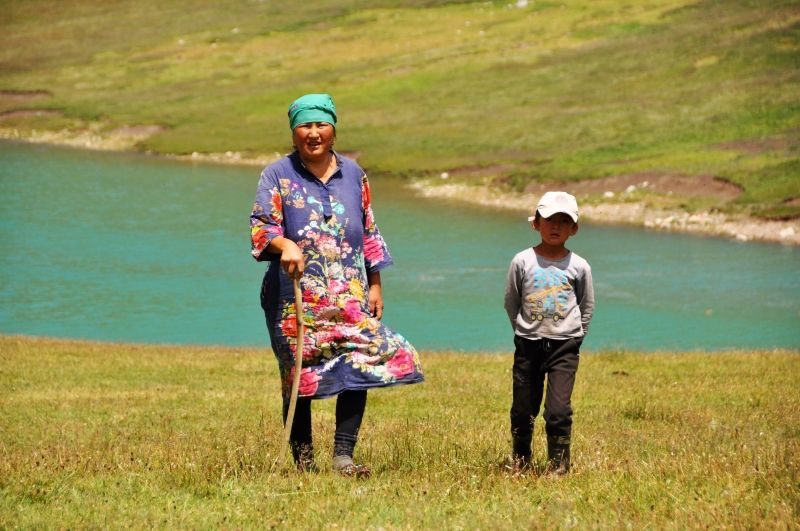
{"x": 622, "y": 210}
{"x": 613, "y": 207}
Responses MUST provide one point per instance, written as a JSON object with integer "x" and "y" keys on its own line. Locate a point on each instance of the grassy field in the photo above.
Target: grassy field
{"x": 111, "y": 435}
{"x": 489, "y": 91}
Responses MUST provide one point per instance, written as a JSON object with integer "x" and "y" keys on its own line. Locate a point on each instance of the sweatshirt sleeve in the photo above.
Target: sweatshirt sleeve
{"x": 586, "y": 299}
{"x": 512, "y": 296}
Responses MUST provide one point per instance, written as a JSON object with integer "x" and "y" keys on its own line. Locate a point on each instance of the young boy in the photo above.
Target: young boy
{"x": 549, "y": 300}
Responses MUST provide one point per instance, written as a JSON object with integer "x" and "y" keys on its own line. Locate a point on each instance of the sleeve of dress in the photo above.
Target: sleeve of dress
{"x": 376, "y": 253}
{"x": 266, "y": 219}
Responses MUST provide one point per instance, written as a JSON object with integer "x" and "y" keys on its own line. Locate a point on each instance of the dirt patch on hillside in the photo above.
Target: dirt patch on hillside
{"x": 136, "y": 132}
{"x": 654, "y": 182}
{"x": 662, "y": 183}
{"x": 759, "y": 145}
{"x": 480, "y": 171}
{"x": 29, "y": 113}
{"x": 21, "y": 96}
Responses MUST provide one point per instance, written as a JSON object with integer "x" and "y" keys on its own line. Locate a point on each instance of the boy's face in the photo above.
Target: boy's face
{"x": 556, "y": 229}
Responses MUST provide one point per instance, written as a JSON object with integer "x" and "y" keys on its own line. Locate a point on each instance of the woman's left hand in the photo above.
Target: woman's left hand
{"x": 375, "y": 296}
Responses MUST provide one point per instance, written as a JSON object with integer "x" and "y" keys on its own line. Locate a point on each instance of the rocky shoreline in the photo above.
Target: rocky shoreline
{"x": 623, "y": 212}
{"x": 615, "y": 209}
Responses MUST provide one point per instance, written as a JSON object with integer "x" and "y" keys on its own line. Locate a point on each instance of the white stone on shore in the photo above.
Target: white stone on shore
{"x": 787, "y": 232}
{"x": 444, "y": 175}
{"x": 742, "y": 237}
{"x": 630, "y": 189}
{"x": 608, "y": 194}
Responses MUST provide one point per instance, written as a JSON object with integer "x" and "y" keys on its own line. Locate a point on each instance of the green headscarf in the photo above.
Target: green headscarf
{"x": 312, "y": 108}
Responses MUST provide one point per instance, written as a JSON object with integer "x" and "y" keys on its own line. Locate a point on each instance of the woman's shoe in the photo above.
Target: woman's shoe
{"x": 304, "y": 458}
{"x": 344, "y": 466}
{"x": 307, "y": 466}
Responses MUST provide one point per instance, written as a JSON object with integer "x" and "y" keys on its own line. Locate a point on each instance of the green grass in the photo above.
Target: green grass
{"x": 555, "y": 91}
{"x": 111, "y": 435}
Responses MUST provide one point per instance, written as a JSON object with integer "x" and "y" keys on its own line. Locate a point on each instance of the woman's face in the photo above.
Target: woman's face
{"x": 313, "y": 140}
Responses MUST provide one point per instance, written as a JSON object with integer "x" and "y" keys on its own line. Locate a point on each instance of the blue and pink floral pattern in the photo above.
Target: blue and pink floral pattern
{"x": 344, "y": 347}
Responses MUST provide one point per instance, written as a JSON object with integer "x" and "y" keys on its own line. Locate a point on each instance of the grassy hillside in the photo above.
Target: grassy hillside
{"x": 108, "y": 435}
{"x": 507, "y": 92}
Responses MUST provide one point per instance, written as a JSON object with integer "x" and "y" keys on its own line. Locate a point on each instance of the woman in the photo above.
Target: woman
{"x": 313, "y": 220}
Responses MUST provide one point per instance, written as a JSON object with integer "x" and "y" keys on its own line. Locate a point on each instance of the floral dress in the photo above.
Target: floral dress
{"x": 344, "y": 347}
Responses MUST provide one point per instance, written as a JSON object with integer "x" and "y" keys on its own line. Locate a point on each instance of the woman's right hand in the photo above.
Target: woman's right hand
{"x": 292, "y": 260}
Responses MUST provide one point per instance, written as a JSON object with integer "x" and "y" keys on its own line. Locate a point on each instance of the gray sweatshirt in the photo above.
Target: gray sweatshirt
{"x": 549, "y": 298}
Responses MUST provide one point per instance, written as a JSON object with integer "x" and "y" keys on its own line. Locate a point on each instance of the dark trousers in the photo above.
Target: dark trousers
{"x": 350, "y": 407}
{"x": 557, "y": 360}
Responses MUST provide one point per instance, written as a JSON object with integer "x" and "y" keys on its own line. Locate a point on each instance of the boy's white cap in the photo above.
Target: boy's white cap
{"x": 555, "y": 202}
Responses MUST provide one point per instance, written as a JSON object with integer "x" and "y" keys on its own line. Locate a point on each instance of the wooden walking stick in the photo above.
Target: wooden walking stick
{"x": 298, "y": 367}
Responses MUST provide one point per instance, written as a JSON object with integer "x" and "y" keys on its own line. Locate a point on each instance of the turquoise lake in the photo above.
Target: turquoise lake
{"x": 125, "y": 247}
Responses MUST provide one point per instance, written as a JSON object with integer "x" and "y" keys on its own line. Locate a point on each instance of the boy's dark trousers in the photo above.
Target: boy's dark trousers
{"x": 556, "y": 359}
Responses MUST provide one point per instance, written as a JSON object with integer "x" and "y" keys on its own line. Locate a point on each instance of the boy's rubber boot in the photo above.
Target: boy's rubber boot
{"x": 558, "y": 455}
{"x": 522, "y": 452}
